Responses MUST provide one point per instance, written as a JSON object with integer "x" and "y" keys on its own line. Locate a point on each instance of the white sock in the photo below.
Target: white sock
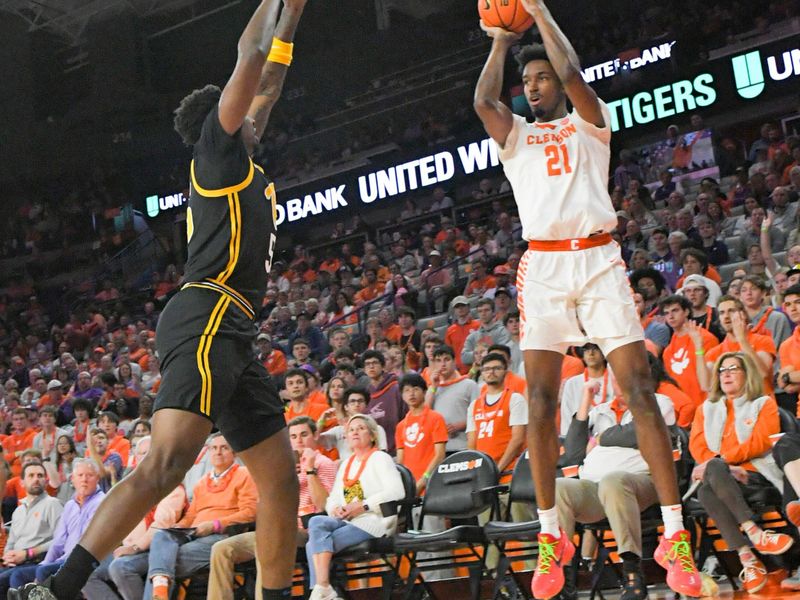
{"x": 673, "y": 519}
{"x": 548, "y": 520}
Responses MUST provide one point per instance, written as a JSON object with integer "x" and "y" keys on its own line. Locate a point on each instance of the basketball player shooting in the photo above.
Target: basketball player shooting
{"x": 205, "y": 334}
{"x": 572, "y": 277}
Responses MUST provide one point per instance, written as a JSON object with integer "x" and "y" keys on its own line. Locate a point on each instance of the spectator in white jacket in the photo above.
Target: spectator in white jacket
{"x": 364, "y": 482}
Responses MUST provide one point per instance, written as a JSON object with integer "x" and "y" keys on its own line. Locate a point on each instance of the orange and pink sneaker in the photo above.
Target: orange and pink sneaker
{"x": 554, "y": 554}
{"x": 772, "y": 543}
{"x": 753, "y": 576}
{"x": 675, "y": 555}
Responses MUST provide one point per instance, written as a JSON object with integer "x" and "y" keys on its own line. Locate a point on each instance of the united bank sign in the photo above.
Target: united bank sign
{"x": 723, "y": 84}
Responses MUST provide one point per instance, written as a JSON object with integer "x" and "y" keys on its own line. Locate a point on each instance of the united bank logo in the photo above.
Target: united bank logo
{"x": 749, "y": 75}
{"x": 152, "y": 206}
{"x": 156, "y": 204}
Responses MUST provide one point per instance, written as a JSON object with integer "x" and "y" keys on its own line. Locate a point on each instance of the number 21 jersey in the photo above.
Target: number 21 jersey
{"x": 559, "y": 174}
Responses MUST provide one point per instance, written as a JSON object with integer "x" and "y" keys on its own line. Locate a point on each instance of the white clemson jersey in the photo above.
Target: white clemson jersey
{"x": 559, "y": 173}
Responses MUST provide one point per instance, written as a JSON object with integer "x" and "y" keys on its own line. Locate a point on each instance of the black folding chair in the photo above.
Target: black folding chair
{"x": 357, "y": 562}
{"x": 462, "y": 487}
{"x": 523, "y": 534}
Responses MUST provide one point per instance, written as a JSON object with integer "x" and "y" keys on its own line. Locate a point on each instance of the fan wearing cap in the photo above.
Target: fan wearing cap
{"x": 502, "y": 276}
{"x": 764, "y": 319}
{"x": 273, "y": 359}
{"x": 738, "y": 338}
{"x": 311, "y": 333}
{"x": 595, "y": 375}
{"x": 457, "y": 332}
{"x": 697, "y": 290}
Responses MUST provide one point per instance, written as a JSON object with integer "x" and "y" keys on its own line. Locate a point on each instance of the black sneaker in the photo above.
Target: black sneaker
{"x": 32, "y": 591}
{"x": 634, "y": 588}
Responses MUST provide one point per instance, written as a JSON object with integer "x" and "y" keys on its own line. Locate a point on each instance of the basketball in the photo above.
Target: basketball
{"x": 507, "y": 14}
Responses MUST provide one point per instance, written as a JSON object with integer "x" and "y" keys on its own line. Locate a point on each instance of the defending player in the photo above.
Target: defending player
{"x": 572, "y": 276}
{"x": 205, "y": 333}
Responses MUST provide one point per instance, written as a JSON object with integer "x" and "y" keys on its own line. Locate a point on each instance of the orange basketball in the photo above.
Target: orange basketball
{"x": 508, "y": 14}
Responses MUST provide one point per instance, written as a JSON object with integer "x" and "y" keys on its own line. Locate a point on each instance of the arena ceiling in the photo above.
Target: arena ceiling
{"x": 69, "y": 19}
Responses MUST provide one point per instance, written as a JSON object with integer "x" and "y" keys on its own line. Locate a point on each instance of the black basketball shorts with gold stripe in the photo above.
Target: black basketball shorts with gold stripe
{"x": 204, "y": 342}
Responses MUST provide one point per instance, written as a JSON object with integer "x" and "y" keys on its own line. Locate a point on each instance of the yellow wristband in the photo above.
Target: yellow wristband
{"x": 281, "y": 52}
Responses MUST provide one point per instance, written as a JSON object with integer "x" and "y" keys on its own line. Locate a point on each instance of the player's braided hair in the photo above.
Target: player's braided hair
{"x": 192, "y": 112}
{"x": 529, "y": 53}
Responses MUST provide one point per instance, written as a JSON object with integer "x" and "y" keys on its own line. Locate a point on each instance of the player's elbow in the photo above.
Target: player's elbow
{"x": 250, "y": 51}
{"x": 483, "y": 106}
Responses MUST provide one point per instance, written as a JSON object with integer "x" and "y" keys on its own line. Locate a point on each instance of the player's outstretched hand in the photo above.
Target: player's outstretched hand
{"x": 500, "y": 34}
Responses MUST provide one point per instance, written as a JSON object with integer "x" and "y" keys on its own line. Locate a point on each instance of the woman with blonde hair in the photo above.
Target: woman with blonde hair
{"x": 730, "y": 441}
{"x": 364, "y": 481}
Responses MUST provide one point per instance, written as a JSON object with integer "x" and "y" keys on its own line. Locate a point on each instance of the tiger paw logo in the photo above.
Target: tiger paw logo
{"x": 414, "y": 435}
{"x": 679, "y": 361}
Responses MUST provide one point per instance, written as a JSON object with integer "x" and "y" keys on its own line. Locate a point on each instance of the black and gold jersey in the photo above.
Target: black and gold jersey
{"x": 230, "y": 220}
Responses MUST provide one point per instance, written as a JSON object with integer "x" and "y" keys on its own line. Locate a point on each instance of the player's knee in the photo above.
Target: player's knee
{"x": 543, "y": 401}
{"x": 162, "y": 471}
{"x": 641, "y": 394}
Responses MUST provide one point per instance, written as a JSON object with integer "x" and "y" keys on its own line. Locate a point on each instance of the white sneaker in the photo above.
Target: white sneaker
{"x": 323, "y": 593}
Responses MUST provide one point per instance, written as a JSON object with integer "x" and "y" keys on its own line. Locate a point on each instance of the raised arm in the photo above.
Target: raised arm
{"x": 497, "y": 118}
{"x": 252, "y": 49}
{"x": 273, "y": 72}
{"x": 566, "y": 64}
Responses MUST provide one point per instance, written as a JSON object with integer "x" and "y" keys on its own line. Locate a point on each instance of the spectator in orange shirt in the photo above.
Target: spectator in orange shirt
{"x": 667, "y": 386}
{"x": 789, "y": 352}
{"x": 498, "y": 418}
{"x": 730, "y": 442}
{"x": 480, "y": 280}
{"x": 760, "y": 348}
{"x": 109, "y": 422}
{"x": 316, "y": 395}
{"x": 20, "y": 438}
{"x": 457, "y": 332}
{"x": 273, "y": 359}
{"x": 348, "y": 258}
{"x": 371, "y": 289}
{"x": 428, "y": 346}
{"x": 297, "y": 390}
{"x": 684, "y": 356}
{"x": 224, "y": 496}
{"x": 330, "y": 264}
{"x": 515, "y": 382}
{"x": 390, "y": 329}
{"x": 382, "y": 273}
{"x": 422, "y": 435}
